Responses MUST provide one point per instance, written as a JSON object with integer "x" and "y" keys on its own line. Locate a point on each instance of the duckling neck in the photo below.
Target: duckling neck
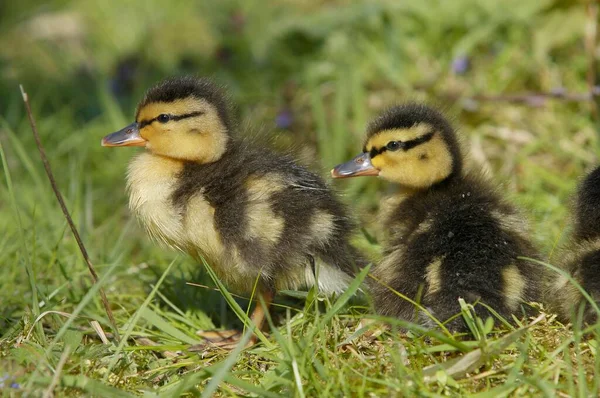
{"x": 218, "y": 180}
{"x": 150, "y": 181}
{"x": 446, "y": 182}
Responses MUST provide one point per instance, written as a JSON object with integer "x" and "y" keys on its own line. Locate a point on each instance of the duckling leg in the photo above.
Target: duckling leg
{"x": 229, "y": 339}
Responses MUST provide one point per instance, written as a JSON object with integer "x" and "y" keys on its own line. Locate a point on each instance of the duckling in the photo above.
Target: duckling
{"x": 451, "y": 234}
{"x": 581, "y": 258}
{"x": 256, "y": 217}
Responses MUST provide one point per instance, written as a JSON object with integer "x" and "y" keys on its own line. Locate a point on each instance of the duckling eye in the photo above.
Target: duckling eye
{"x": 393, "y": 146}
{"x": 163, "y": 118}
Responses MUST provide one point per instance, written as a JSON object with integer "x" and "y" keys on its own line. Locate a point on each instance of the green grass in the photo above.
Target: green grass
{"x": 333, "y": 66}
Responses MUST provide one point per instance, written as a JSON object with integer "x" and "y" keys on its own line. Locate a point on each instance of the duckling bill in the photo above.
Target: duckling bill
{"x": 257, "y": 217}
{"x": 450, "y": 233}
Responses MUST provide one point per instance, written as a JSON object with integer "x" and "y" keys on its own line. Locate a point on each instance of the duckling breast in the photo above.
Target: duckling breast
{"x": 150, "y": 182}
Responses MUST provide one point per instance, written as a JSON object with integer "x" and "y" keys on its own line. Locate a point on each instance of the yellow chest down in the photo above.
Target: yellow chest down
{"x": 151, "y": 181}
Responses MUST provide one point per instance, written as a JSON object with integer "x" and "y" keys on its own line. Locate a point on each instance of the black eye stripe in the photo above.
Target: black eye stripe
{"x": 374, "y": 151}
{"x": 404, "y": 145}
{"x": 185, "y": 116}
{"x": 144, "y": 123}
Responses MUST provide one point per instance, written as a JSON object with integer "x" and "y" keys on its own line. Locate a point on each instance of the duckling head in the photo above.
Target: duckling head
{"x": 412, "y": 145}
{"x": 182, "y": 118}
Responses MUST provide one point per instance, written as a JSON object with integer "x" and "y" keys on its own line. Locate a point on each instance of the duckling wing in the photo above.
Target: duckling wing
{"x": 270, "y": 216}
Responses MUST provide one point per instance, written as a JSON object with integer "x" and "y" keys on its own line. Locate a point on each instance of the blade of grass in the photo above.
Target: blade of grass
{"x": 23, "y": 155}
{"x": 74, "y": 315}
{"x": 191, "y": 380}
{"x": 223, "y": 370}
{"x": 63, "y": 207}
{"x": 572, "y": 280}
{"x": 133, "y": 321}
{"x": 49, "y": 393}
{"x": 164, "y": 326}
{"x": 241, "y": 314}
{"x": 320, "y": 118}
{"x": 28, "y": 265}
{"x": 344, "y": 297}
{"x": 294, "y": 359}
{"x": 90, "y": 386}
{"x": 417, "y": 305}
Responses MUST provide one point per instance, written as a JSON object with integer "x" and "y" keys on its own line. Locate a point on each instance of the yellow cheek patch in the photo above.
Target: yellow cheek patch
{"x": 178, "y": 107}
{"x": 381, "y": 161}
{"x": 201, "y": 138}
{"x": 419, "y": 167}
{"x": 381, "y": 139}
{"x": 514, "y": 286}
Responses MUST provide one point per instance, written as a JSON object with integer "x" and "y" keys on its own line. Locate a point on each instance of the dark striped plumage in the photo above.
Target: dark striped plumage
{"x": 223, "y": 185}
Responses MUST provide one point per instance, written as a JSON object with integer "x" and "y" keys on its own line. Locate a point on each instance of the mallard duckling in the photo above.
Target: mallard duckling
{"x": 451, "y": 234}
{"x": 255, "y": 216}
{"x": 581, "y": 259}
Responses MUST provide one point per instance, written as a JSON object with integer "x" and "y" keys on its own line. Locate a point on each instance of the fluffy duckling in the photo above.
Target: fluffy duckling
{"x": 255, "y": 216}
{"x": 582, "y": 257}
{"x": 451, "y": 234}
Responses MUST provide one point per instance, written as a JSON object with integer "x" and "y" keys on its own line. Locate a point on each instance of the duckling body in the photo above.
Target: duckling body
{"x": 450, "y": 233}
{"x": 458, "y": 239}
{"x": 257, "y": 217}
{"x": 251, "y": 220}
{"x": 581, "y": 258}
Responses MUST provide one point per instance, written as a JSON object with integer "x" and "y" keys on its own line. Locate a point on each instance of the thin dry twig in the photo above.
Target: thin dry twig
{"x": 529, "y": 98}
{"x": 66, "y": 213}
{"x": 49, "y": 393}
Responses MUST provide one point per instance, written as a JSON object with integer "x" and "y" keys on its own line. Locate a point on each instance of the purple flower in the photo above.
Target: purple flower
{"x": 284, "y": 119}
{"x": 460, "y": 64}
{"x": 5, "y": 378}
